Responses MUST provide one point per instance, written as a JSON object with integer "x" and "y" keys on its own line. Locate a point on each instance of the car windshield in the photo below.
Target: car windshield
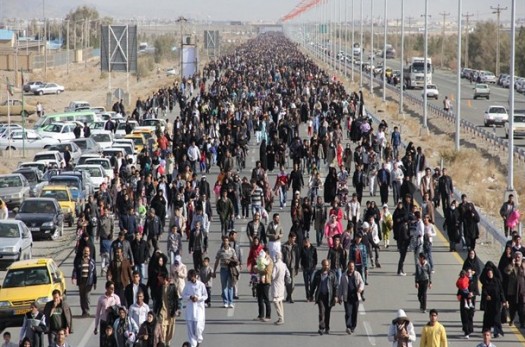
{"x": 101, "y": 137}
{"x": 30, "y": 176}
{"x": 499, "y": 110}
{"x": 37, "y": 206}
{"x": 65, "y": 182}
{"x": 9, "y": 231}
{"x": 519, "y": 119}
{"x": 93, "y": 171}
{"x": 150, "y": 122}
{"x": 128, "y": 149}
{"x": 53, "y": 128}
{"x": 45, "y": 157}
{"x": 82, "y": 144}
{"x": 59, "y": 195}
{"x": 10, "y": 181}
{"x": 122, "y": 126}
{"x": 33, "y": 276}
{"x": 138, "y": 141}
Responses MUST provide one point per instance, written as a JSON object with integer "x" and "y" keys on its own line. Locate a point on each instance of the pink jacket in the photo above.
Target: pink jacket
{"x": 330, "y": 230}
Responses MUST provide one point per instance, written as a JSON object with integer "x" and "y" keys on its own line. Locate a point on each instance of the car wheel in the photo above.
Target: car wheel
{"x": 55, "y": 235}
{"x": 506, "y": 135}
{"x": 475, "y": 97}
{"x": 488, "y": 97}
{"x": 41, "y": 92}
{"x": 24, "y": 113}
{"x": 10, "y": 148}
{"x": 62, "y": 229}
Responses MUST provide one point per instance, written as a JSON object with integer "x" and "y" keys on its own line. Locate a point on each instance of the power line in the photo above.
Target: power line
{"x": 445, "y": 15}
{"x": 467, "y": 16}
{"x": 497, "y": 11}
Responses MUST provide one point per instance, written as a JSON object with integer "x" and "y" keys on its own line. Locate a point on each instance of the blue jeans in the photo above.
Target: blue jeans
{"x": 282, "y": 196}
{"x": 226, "y": 286}
{"x": 141, "y": 268}
{"x": 428, "y": 254}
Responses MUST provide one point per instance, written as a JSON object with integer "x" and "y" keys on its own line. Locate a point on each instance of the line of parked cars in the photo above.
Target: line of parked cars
{"x": 41, "y": 88}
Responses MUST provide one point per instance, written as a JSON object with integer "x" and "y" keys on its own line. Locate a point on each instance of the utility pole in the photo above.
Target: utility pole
{"x": 497, "y": 11}
{"x": 445, "y": 15}
{"x": 410, "y": 21}
{"x": 467, "y": 16}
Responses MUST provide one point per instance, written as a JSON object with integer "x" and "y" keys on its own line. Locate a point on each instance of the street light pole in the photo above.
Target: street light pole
{"x": 361, "y": 49}
{"x": 458, "y": 80}
{"x": 352, "y": 48}
{"x": 372, "y": 56}
{"x": 425, "y": 71}
{"x": 402, "y": 82}
{"x": 510, "y": 177}
{"x": 384, "y": 52}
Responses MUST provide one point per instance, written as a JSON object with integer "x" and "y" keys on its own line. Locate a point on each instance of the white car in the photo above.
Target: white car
{"x": 487, "y": 77}
{"x": 84, "y": 157}
{"x": 125, "y": 142}
{"x": 104, "y": 138}
{"x": 518, "y": 126}
{"x": 97, "y": 173}
{"x": 28, "y": 138}
{"x": 61, "y": 131}
{"x": 171, "y": 71}
{"x": 121, "y": 128}
{"x": 16, "y": 242}
{"x": 129, "y": 149}
{"x": 495, "y": 115}
{"x": 49, "y": 157}
{"x": 432, "y": 92}
{"x": 151, "y": 123}
{"x": 36, "y": 164}
{"x": 49, "y": 88}
{"x": 74, "y": 150}
{"x": 106, "y": 165}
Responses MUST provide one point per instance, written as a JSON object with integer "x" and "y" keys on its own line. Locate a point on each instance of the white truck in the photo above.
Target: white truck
{"x": 415, "y": 73}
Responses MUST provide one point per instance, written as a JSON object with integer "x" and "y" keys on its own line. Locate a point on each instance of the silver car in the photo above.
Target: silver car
{"x": 16, "y": 242}
{"x": 14, "y": 188}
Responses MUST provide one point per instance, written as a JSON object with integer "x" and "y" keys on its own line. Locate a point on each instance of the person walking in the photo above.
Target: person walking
{"x": 289, "y": 252}
{"x": 423, "y": 278}
{"x": 280, "y": 276}
{"x": 225, "y": 256}
{"x": 225, "y": 211}
{"x": 487, "y": 336}
{"x": 61, "y": 339}
{"x": 106, "y": 302}
{"x": 324, "y": 294}
{"x": 58, "y": 315}
{"x": 433, "y": 333}
{"x": 274, "y": 233}
{"x": 264, "y": 268}
{"x": 166, "y": 307}
{"x": 194, "y": 296}
{"x": 120, "y": 272}
{"x": 34, "y": 326}
{"x": 125, "y": 329}
{"x": 132, "y": 289}
{"x": 85, "y": 276}
{"x": 349, "y": 293}
{"x": 401, "y": 332}
{"x": 308, "y": 261}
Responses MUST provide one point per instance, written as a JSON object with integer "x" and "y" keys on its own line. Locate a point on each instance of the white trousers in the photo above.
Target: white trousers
{"x": 195, "y": 330}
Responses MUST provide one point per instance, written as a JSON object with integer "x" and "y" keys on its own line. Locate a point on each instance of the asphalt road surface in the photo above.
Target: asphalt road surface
{"x": 385, "y": 293}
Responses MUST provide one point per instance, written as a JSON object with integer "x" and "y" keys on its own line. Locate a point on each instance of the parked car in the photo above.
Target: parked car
{"x": 16, "y": 108}
{"x": 30, "y": 87}
{"x": 97, "y": 173}
{"x": 16, "y": 242}
{"x": 14, "y": 188}
{"x": 153, "y": 123}
{"x": 104, "y": 138}
{"x": 77, "y": 105}
{"x": 106, "y": 165}
{"x": 33, "y": 176}
{"x": 25, "y": 282}
{"x": 121, "y": 128}
{"x": 43, "y": 216}
{"x": 49, "y": 88}
{"x": 65, "y": 199}
{"x": 60, "y": 131}
{"x": 49, "y": 156}
{"x": 481, "y": 90}
{"x": 518, "y": 126}
{"x": 487, "y": 77}
{"x": 74, "y": 150}
{"x": 171, "y": 71}
{"x": 29, "y": 139}
{"x": 432, "y": 92}
{"x": 87, "y": 145}
{"x": 495, "y": 115}
{"x": 40, "y": 166}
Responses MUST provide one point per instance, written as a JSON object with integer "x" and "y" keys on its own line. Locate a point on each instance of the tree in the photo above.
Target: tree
{"x": 84, "y": 23}
{"x": 520, "y": 52}
{"x": 483, "y": 45}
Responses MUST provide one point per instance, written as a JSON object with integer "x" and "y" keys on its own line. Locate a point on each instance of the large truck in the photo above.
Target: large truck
{"x": 415, "y": 73}
{"x": 390, "y": 52}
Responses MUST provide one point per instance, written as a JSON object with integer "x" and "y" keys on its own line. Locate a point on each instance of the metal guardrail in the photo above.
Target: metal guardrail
{"x": 485, "y": 223}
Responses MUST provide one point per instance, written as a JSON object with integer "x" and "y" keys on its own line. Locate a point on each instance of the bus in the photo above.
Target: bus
{"x": 415, "y": 73}
{"x": 79, "y": 116}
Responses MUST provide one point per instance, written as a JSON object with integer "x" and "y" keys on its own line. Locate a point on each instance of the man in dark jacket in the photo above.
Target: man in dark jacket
{"x": 308, "y": 260}
{"x": 58, "y": 314}
{"x": 119, "y": 271}
{"x": 135, "y": 287}
{"x": 152, "y": 229}
{"x": 128, "y": 224}
{"x": 158, "y": 203}
{"x": 446, "y": 189}
{"x": 85, "y": 280}
{"x": 324, "y": 293}
{"x": 139, "y": 248}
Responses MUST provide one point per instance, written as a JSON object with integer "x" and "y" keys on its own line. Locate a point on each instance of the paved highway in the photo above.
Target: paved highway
{"x": 471, "y": 110}
{"x": 386, "y": 293}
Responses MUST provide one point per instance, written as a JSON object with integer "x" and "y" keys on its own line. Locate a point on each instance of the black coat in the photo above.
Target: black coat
{"x": 128, "y": 293}
{"x": 172, "y": 304}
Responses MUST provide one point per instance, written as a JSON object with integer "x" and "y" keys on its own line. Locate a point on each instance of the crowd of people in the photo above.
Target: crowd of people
{"x": 264, "y": 93}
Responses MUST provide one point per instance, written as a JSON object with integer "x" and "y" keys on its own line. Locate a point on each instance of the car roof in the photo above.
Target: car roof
{"x": 47, "y": 152}
{"x": 26, "y": 168}
{"x": 40, "y": 199}
{"x": 22, "y": 264}
{"x": 55, "y": 187}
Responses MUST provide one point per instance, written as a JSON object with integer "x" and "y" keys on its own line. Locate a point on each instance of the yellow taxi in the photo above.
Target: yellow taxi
{"x": 25, "y": 282}
{"x": 139, "y": 141}
{"x": 149, "y": 136}
{"x": 65, "y": 199}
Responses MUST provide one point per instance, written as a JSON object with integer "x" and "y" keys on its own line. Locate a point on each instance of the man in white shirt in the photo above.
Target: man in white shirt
{"x": 397, "y": 176}
{"x": 194, "y": 295}
{"x": 194, "y": 155}
{"x": 139, "y": 310}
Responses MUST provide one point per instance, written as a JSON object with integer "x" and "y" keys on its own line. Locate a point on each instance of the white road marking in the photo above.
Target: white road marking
{"x": 369, "y": 333}
{"x": 231, "y": 312}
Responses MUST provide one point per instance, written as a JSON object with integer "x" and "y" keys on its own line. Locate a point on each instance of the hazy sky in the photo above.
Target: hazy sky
{"x": 247, "y": 10}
